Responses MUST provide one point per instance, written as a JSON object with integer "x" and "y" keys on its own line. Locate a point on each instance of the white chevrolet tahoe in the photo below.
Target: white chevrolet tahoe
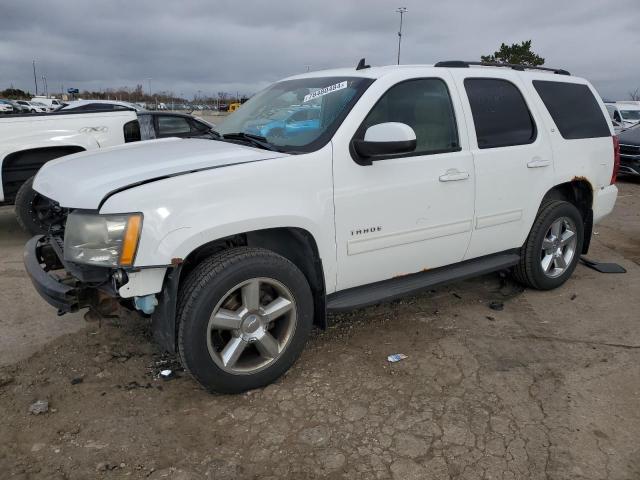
{"x": 325, "y": 192}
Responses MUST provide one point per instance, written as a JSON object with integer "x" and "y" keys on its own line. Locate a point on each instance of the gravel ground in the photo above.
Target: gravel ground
{"x": 548, "y": 387}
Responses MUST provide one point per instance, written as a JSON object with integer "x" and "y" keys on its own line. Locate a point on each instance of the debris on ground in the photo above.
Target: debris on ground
{"x": 574, "y": 296}
{"x": 396, "y": 357}
{"x": 38, "y": 407}
{"x": 498, "y": 306}
{"x": 167, "y": 374}
{"x": 77, "y": 380}
{"x": 490, "y": 318}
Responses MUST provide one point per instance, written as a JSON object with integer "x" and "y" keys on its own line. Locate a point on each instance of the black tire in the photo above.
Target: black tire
{"x": 28, "y": 218}
{"x": 529, "y": 271}
{"x": 206, "y": 286}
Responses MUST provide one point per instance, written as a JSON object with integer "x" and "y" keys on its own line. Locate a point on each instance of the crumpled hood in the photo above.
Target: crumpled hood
{"x": 84, "y": 179}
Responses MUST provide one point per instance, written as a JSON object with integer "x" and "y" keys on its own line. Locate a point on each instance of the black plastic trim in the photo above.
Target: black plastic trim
{"x": 514, "y": 66}
{"x": 163, "y": 318}
{"x": 394, "y": 288}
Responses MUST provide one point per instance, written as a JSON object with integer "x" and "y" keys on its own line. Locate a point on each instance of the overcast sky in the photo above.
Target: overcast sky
{"x": 212, "y": 46}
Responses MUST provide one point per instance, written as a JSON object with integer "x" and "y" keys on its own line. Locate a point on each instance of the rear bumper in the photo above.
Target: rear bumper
{"x": 629, "y": 163}
{"x": 603, "y": 202}
{"x": 61, "y": 293}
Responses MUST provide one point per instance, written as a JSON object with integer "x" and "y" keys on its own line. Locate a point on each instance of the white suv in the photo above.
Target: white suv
{"x": 325, "y": 192}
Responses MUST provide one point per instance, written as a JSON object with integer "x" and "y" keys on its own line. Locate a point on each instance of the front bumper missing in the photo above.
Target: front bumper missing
{"x": 65, "y": 286}
{"x": 60, "y": 292}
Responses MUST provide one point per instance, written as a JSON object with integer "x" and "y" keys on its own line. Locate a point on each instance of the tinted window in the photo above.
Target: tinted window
{"x": 574, "y": 109}
{"x": 425, "y": 106}
{"x": 500, "y": 114}
{"x": 168, "y": 125}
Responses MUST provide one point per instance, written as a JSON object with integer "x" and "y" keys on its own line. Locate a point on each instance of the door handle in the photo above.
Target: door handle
{"x": 537, "y": 162}
{"x": 453, "y": 175}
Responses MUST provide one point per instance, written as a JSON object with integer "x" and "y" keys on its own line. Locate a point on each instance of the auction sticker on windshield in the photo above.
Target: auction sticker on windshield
{"x": 325, "y": 91}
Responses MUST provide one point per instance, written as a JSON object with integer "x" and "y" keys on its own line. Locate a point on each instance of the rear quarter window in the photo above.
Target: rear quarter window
{"x": 573, "y": 108}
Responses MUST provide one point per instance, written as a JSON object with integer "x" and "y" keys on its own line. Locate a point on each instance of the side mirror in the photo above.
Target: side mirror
{"x": 390, "y": 138}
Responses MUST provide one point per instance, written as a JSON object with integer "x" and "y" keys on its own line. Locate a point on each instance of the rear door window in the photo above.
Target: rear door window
{"x": 500, "y": 114}
{"x": 170, "y": 125}
{"x": 574, "y": 109}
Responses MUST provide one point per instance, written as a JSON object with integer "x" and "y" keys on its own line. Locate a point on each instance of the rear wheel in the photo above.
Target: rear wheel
{"x": 553, "y": 247}
{"x": 244, "y": 317}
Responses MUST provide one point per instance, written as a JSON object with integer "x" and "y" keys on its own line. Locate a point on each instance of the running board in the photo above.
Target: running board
{"x": 394, "y": 288}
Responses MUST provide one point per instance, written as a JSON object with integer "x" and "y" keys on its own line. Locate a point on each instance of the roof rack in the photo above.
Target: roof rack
{"x": 522, "y": 68}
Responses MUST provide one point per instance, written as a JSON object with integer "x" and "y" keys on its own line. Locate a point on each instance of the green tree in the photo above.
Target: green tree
{"x": 518, "y": 54}
{"x": 15, "y": 94}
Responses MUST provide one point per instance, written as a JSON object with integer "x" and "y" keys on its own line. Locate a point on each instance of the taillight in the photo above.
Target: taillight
{"x": 616, "y": 159}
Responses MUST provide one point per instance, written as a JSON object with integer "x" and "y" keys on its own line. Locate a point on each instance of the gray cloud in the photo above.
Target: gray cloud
{"x": 241, "y": 46}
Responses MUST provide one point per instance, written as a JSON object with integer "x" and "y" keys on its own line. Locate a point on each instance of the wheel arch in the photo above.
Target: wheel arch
{"x": 579, "y": 192}
{"x": 19, "y": 166}
{"x": 295, "y": 244}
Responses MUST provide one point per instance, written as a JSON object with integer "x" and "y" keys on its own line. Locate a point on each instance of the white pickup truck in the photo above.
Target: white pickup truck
{"x": 329, "y": 191}
{"x": 29, "y": 141}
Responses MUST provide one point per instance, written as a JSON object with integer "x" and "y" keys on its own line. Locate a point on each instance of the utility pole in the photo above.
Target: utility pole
{"x": 44, "y": 83}
{"x": 35, "y": 79}
{"x": 401, "y": 11}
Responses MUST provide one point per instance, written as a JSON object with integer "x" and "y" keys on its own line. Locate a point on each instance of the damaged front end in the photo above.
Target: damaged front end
{"x": 69, "y": 286}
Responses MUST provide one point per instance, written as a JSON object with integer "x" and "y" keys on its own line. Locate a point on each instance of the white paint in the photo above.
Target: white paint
{"x": 389, "y": 132}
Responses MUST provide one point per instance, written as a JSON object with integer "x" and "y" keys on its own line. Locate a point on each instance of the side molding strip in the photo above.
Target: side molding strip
{"x": 362, "y": 245}
{"x": 498, "y": 219}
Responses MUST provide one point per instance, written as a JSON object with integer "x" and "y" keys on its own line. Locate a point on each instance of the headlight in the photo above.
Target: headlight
{"x": 105, "y": 240}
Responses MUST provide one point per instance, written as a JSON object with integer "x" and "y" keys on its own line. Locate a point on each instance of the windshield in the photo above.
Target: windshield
{"x": 297, "y": 115}
{"x": 633, "y": 115}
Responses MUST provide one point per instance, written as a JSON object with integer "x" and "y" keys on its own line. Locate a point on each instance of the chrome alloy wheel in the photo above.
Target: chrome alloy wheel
{"x": 558, "y": 247}
{"x": 251, "y": 326}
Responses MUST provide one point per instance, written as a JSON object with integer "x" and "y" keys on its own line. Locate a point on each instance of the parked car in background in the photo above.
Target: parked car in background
{"x": 630, "y": 150}
{"x": 33, "y": 107}
{"x": 626, "y": 114}
{"x": 286, "y": 122}
{"x": 28, "y": 142}
{"x": 6, "y": 107}
{"x": 53, "y": 104}
{"x": 99, "y": 105}
{"x": 18, "y": 108}
{"x": 416, "y": 176}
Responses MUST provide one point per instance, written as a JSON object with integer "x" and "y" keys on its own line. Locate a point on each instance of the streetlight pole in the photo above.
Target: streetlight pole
{"x": 35, "y": 79}
{"x": 401, "y": 11}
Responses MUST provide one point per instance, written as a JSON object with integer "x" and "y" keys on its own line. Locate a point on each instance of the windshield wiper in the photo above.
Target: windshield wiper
{"x": 255, "y": 140}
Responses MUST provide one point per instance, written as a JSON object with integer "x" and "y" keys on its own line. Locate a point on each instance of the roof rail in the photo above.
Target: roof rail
{"x": 522, "y": 68}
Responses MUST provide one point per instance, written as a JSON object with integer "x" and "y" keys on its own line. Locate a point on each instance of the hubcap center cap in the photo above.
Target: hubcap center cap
{"x": 251, "y": 324}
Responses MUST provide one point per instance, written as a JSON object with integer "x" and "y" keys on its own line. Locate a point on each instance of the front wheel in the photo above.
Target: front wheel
{"x": 552, "y": 250}
{"x": 244, "y": 317}
{"x": 35, "y": 213}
